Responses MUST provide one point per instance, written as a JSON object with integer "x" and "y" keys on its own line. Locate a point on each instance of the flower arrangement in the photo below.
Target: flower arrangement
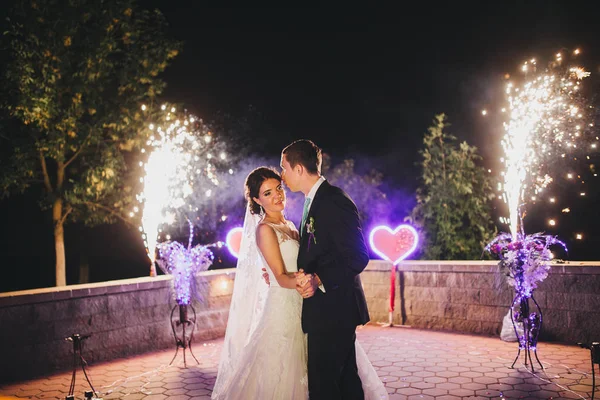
{"x": 310, "y": 229}
{"x": 525, "y": 260}
{"x": 183, "y": 263}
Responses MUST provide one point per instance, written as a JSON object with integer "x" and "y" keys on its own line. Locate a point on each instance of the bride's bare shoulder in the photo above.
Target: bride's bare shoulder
{"x": 265, "y": 229}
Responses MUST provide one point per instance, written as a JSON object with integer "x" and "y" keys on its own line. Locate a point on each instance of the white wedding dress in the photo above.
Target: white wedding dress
{"x": 271, "y": 363}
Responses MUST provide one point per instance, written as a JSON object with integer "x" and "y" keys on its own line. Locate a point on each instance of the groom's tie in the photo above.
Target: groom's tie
{"x": 304, "y": 214}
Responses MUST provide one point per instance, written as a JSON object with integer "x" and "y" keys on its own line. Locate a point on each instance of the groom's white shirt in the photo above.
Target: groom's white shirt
{"x": 311, "y": 196}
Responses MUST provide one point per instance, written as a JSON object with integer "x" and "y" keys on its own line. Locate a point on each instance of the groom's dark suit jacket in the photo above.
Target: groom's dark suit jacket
{"x": 338, "y": 257}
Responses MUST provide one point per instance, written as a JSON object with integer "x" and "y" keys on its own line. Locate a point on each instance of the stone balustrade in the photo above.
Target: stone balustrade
{"x": 132, "y": 316}
{"x": 473, "y": 297}
{"x": 124, "y": 317}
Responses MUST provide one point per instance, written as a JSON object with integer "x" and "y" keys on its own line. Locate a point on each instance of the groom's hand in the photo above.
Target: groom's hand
{"x": 265, "y": 276}
{"x": 306, "y": 284}
{"x": 301, "y": 281}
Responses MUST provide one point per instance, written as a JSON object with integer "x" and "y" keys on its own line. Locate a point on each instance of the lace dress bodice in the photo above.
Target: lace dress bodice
{"x": 289, "y": 251}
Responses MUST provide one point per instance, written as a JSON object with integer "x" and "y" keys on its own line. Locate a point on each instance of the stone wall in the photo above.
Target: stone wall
{"x": 473, "y": 297}
{"x": 124, "y": 317}
{"x": 133, "y": 316}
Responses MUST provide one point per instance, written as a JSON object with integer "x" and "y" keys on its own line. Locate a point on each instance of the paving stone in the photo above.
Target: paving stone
{"x": 174, "y": 385}
{"x": 412, "y": 363}
{"x": 448, "y": 374}
{"x": 412, "y": 379}
{"x": 400, "y": 373}
{"x": 448, "y": 386}
{"x": 175, "y": 392}
{"x": 156, "y": 390}
{"x": 435, "y": 368}
{"x": 516, "y": 394}
{"x": 398, "y": 384}
{"x": 199, "y": 392}
{"x": 195, "y": 386}
{"x": 424, "y": 374}
{"x": 544, "y": 394}
{"x": 473, "y": 386}
{"x": 569, "y": 395}
{"x": 408, "y": 391}
{"x": 460, "y": 380}
{"x": 422, "y": 385}
{"x": 436, "y": 379}
{"x": 472, "y": 374}
{"x": 435, "y": 392}
{"x": 501, "y": 387}
{"x": 462, "y": 393}
{"x": 511, "y": 380}
{"x": 528, "y": 387}
{"x": 52, "y": 394}
{"x": 486, "y": 380}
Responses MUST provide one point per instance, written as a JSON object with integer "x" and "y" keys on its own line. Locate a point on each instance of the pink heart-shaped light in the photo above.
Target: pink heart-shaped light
{"x": 234, "y": 241}
{"x": 394, "y": 245}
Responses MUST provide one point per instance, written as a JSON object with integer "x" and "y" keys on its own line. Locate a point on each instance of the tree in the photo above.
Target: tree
{"x": 78, "y": 72}
{"x": 454, "y": 197}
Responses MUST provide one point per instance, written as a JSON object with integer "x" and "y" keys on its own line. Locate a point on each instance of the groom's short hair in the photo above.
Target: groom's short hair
{"x": 305, "y": 153}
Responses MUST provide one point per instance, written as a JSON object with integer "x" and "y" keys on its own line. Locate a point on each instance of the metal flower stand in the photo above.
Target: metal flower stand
{"x": 185, "y": 327}
{"x": 520, "y": 312}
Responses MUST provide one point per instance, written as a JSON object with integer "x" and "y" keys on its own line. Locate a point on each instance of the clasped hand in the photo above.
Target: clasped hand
{"x": 306, "y": 284}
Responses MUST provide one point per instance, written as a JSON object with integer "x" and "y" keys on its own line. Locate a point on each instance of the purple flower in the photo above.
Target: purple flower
{"x": 539, "y": 247}
{"x": 525, "y": 260}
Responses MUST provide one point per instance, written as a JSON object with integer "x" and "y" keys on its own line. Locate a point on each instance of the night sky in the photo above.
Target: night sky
{"x": 362, "y": 79}
{"x": 360, "y": 82}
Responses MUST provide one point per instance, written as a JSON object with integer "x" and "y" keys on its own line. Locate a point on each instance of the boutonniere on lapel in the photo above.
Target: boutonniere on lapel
{"x": 310, "y": 230}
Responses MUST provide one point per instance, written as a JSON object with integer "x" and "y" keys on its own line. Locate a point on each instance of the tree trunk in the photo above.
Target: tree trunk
{"x": 59, "y": 242}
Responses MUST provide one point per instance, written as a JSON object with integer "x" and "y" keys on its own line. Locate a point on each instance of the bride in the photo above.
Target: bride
{"x": 264, "y": 353}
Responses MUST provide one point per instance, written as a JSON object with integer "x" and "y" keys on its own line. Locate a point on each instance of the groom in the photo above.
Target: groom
{"x": 332, "y": 254}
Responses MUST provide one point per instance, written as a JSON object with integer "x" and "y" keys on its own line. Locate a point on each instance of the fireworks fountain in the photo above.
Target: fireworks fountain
{"x": 180, "y": 164}
{"x": 179, "y": 167}
{"x": 546, "y": 120}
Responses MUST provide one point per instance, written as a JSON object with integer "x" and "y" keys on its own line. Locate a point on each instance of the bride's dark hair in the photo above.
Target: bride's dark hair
{"x": 254, "y": 180}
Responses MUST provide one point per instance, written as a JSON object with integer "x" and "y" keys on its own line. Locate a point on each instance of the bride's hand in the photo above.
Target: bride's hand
{"x": 265, "y": 276}
{"x": 305, "y": 284}
{"x": 301, "y": 280}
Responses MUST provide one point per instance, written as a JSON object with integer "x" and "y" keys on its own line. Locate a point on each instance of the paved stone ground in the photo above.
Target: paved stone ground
{"x": 414, "y": 364}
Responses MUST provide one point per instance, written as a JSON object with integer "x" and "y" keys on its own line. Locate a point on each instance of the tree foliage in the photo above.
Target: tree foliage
{"x": 77, "y": 75}
{"x": 454, "y": 197}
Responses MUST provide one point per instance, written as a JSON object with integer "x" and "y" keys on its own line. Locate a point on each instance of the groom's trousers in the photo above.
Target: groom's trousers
{"x": 332, "y": 370}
